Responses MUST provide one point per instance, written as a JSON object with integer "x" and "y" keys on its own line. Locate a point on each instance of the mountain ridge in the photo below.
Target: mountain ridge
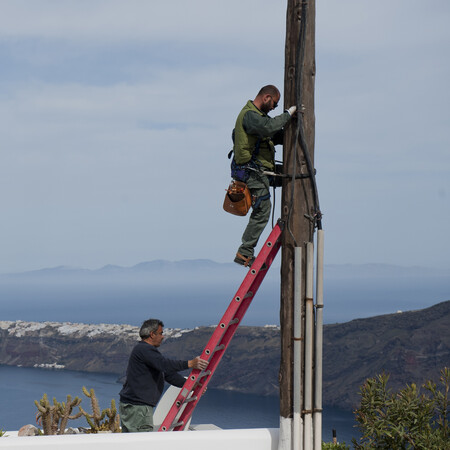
{"x": 374, "y": 269}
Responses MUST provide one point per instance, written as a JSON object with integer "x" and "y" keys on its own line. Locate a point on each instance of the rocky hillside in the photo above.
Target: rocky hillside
{"x": 411, "y": 346}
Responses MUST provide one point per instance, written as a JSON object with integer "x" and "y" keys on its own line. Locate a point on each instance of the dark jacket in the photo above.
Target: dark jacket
{"x": 255, "y": 127}
{"x": 146, "y": 372}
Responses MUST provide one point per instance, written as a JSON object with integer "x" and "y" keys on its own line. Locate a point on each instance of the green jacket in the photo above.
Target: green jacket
{"x": 252, "y": 124}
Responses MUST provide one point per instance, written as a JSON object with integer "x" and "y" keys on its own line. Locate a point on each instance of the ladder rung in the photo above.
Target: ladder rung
{"x": 181, "y": 422}
{"x": 191, "y": 399}
{"x": 204, "y": 374}
{"x": 219, "y": 347}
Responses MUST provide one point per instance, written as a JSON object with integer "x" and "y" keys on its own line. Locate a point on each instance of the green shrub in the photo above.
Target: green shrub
{"x": 331, "y": 446}
{"x": 407, "y": 419}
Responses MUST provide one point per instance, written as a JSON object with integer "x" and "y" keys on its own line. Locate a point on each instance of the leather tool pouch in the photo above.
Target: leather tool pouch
{"x": 238, "y": 199}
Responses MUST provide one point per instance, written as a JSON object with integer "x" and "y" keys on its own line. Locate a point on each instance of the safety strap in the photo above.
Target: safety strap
{"x": 260, "y": 199}
{"x": 255, "y": 152}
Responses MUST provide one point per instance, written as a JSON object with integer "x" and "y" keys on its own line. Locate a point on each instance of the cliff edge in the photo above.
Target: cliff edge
{"x": 412, "y": 346}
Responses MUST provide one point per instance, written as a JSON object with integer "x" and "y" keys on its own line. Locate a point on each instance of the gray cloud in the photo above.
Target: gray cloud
{"x": 115, "y": 122}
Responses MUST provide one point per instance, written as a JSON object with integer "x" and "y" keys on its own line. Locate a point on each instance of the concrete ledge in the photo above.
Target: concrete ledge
{"x": 248, "y": 439}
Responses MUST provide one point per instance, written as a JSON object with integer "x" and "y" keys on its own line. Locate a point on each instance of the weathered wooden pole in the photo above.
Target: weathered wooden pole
{"x": 298, "y": 206}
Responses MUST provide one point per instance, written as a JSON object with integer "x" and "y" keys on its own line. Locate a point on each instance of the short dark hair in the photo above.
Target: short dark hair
{"x": 270, "y": 89}
{"x": 148, "y": 327}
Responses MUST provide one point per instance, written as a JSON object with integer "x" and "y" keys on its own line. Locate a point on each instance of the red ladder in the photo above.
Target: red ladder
{"x": 195, "y": 385}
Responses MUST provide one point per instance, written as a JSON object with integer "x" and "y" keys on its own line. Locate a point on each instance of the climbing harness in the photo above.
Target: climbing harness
{"x": 241, "y": 174}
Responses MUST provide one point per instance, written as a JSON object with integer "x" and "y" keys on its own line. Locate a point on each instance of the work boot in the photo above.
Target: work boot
{"x": 245, "y": 261}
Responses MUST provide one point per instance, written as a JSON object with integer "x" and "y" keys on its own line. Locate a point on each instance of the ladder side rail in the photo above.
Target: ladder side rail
{"x": 268, "y": 254}
{"x": 247, "y": 300}
{"x": 188, "y": 387}
{"x": 229, "y": 333}
{"x": 221, "y": 339}
{"x": 193, "y": 378}
{"x": 254, "y": 288}
{"x": 214, "y": 362}
{"x": 221, "y": 335}
{"x": 189, "y": 408}
{"x": 217, "y": 336}
{"x": 271, "y": 242}
{"x": 251, "y": 284}
{"x": 271, "y": 251}
{"x": 214, "y": 341}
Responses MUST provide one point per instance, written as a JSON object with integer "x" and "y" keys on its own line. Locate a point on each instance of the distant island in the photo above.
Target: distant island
{"x": 412, "y": 346}
{"x": 196, "y": 292}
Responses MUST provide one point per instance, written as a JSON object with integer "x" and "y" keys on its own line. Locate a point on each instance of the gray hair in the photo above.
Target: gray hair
{"x": 149, "y": 326}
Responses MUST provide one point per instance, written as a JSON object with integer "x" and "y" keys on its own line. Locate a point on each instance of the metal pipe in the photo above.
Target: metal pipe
{"x": 309, "y": 321}
{"x": 297, "y": 431}
{"x": 318, "y": 344}
{"x": 285, "y": 434}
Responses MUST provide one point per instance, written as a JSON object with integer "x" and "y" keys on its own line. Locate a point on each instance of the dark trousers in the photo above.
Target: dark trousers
{"x": 135, "y": 418}
{"x": 259, "y": 187}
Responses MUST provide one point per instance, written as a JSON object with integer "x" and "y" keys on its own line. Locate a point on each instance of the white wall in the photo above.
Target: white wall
{"x": 252, "y": 439}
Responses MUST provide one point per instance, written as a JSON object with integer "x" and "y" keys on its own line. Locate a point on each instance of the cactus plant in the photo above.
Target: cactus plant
{"x": 113, "y": 419}
{"x": 65, "y": 410}
{"x": 54, "y": 417}
{"x": 106, "y": 420}
{"x": 94, "y": 419}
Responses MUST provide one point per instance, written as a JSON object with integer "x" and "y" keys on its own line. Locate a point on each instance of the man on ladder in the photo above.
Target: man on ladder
{"x": 255, "y": 136}
{"x": 146, "y": 373}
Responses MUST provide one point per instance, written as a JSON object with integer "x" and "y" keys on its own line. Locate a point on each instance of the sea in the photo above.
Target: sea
{"x": 21, "y": 386}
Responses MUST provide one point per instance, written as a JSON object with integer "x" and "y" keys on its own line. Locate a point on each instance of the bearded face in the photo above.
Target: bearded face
{"x": 269, "y": 104}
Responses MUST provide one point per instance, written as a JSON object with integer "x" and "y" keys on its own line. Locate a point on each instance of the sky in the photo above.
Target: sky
{"x": 116, "y": 119}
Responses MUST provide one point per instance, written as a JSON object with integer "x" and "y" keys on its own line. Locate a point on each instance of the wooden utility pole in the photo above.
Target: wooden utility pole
{"x": 298, "y": 208}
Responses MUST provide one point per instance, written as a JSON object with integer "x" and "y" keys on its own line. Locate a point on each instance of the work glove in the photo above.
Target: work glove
{"x": 291, "y": 110}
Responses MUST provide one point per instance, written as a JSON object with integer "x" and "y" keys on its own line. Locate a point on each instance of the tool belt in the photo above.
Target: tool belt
{"x": 238, "y": 199}
{"x": 242, "y": 172}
